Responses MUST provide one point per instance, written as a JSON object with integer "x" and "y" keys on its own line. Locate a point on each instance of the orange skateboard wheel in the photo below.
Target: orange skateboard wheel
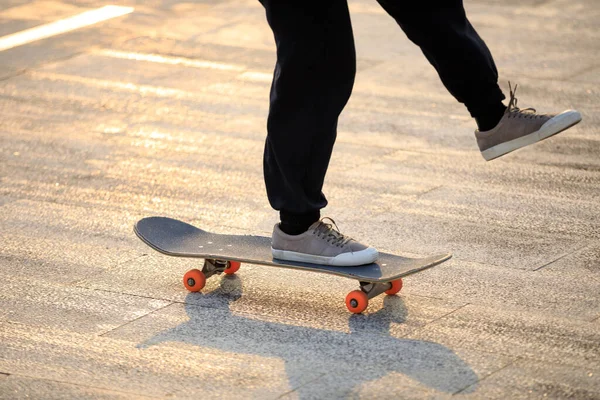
{"x": 233, "y": 267}
{"x": 396, "y": 287}
{"x": 194, "y": 280}
{"x": 357, "y": 301}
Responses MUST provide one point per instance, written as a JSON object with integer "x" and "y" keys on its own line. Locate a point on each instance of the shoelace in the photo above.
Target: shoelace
{"x": 333, "y": 236}
{"x": 514, "y": 111}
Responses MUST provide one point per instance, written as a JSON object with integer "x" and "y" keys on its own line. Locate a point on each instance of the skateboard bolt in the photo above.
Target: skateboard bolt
{"x": 354, "y": 303}
{"x": 191, "y": 282}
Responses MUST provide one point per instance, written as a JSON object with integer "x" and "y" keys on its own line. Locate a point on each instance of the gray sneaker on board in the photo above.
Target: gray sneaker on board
{"x": 522, "y": 127}
{"x": 321, "y": 244}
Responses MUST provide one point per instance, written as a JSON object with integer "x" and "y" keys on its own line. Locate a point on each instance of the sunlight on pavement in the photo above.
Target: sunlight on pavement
{"x": 62, "y": 26}
{"x": 107, "y": 84}
{"x": 186, "y": 62}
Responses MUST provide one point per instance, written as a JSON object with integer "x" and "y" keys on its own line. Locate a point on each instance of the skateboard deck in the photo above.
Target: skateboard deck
{"x": 224, "y": 253}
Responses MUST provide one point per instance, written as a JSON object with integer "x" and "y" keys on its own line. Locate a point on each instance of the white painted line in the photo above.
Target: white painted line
{"x": 61, "y": 26}
{"x": 187, "y": 62}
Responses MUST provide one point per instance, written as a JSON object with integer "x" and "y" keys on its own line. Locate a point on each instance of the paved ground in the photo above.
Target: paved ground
{"x": 162, "y": 112}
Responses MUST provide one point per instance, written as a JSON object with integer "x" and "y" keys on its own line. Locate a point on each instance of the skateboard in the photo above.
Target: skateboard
{"x": 225, "y": 253}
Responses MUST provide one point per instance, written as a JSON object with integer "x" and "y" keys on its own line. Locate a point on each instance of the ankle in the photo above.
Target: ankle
{"x": 489, "y": 118}
{"x": 296, "y": 224}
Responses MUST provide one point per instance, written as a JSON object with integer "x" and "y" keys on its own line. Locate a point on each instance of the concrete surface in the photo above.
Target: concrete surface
{"x": 162, "y": 112}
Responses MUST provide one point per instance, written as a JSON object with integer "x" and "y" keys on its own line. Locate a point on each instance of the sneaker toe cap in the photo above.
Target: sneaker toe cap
{"x": 366, "y": 255}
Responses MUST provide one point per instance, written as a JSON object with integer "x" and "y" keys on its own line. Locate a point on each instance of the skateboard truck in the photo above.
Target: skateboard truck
{"x": 194, "y": 280}
{"x": 358, "y": 300}
{"x": 374, "y": 289}
{"x": 212, "y": 267}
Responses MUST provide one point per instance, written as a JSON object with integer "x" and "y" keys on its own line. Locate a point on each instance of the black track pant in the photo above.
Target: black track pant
{"x": 314, "y": 75}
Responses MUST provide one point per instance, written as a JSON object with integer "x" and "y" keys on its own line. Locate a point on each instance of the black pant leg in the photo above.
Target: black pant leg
{"x": 451, "y": 44}
{"x": 312, "y": 82}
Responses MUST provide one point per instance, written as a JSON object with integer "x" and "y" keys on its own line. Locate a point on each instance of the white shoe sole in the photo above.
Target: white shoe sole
{"x": 366, "y": 256}
{"x": 559, "y": 123}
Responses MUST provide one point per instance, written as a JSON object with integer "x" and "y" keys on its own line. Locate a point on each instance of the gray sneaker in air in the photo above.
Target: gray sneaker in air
{"x": 519, "y": 128}
{"x": 321, "y": 244}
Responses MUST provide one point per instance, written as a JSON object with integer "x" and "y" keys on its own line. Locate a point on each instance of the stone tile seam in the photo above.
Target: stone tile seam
{"x": 59, "y": 60}
{"x": 170, "y": 301}
{"x": 81, "y": 385}
{"x": 442, "y": 316}
{"x": 304, "y": 384}
{"x": 14, "y": 75}
{"x": 563, "y": 256}
{"x": 127, "y": 261}
{"x": 419, "y": 195}
{"x": 133, "y": 320}
{"x": 512, "y": 362}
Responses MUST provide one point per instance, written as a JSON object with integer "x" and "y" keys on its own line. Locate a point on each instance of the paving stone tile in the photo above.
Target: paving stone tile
{"x": 122, "y": 366}
{"x": 535, "y": 213}
{"x": 560, "y": 291}
{"x": 416, "y": 231}
{"x": 530, "y": 380}
{"x": 536, "y": 337}
{"x": 48, "y": 260}
{"x": 342, "y": 382}
{"x": 309, "y": 353}
{"x": 22, "y": 387}
{"x": 55, "y": 221}
{"x": 29, "y": 301}
{"x": 338, "y": 386}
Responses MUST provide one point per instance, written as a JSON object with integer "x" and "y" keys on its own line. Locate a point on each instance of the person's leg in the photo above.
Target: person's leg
{"x": 312, "y": 82}
{"x": 461, "y": 58}
{"x": 466, "y": 67}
